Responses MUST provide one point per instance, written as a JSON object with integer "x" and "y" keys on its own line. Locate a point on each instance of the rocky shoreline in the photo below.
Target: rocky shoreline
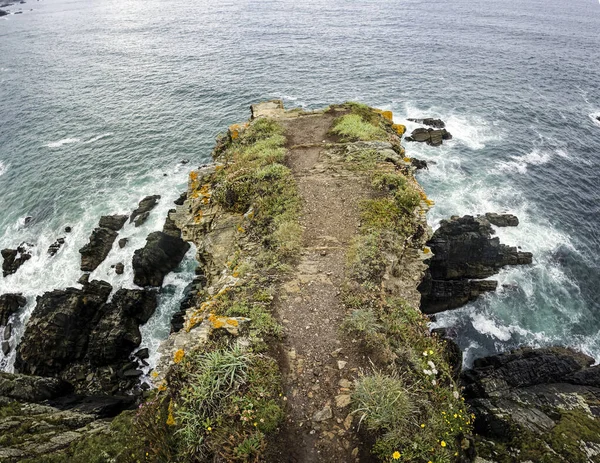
{"x": 78, "y": 365}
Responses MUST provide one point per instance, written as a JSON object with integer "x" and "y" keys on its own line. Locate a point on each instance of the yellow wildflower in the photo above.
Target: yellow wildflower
{"x": 443, "y": 443}
{"x": 178, "y": 357}
{"x": 209, "y": 429}
{"x": 396, "y": 455}
{"x": 422, "y": 425}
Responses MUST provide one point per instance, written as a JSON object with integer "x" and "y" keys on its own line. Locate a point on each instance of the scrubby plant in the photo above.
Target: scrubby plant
{"x": 353, "y": 127}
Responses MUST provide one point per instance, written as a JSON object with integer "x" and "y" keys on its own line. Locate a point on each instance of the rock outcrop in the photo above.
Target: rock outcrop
{"x": 433, "y": 137}
{"x": 3, "y": 13}
{"x": 55, "y": 247}
{"x": 14, "y": 258}
{"x": 141, "y": 214}
{"x": 76, "y": 335}
{"x": 162, "y": 253}
{"x": 41, "y": 416}
{"x": 464, "y": 253}
{"x": 431, "y": 122}
{"x": 101, "y": 241}
{"x": 10, "y": 304}
{"x": 502, "y": 220}
{"x": 532, "y": 402}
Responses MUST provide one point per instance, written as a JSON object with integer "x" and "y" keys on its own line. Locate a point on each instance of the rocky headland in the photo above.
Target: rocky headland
{"x": 304, "y": 335}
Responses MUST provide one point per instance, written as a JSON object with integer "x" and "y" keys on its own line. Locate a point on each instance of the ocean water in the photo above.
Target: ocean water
{"x": 100, "y": 101}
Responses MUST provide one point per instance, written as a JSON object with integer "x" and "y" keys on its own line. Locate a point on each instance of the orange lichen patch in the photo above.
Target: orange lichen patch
{"x": 426, "y": 250}
{"x": 389, "y": 115}
{"x": 429, "y": 202}
{"x": 234, "y": 131}
{"x": 222, "y": 322}
{"x": 162, "y": 386}
{"x": 406, "y": 159}
{"x": 193, "y": 176}
{"x": 399, "y": 128}
{"x": 198, "y": 217}
{"x": 241, "y": 229}
{"x": 154, "y": 374}
{"x": 178, "y": 356}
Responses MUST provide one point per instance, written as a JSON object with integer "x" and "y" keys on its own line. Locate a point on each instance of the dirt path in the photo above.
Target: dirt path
{"x": 319, "y": 363}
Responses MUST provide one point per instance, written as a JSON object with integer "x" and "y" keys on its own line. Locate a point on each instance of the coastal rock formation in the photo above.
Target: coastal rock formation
{"x": 10, "y": 304}
{"x": 74, "y": 334}
{"x": 464, "y": 253}
{"x": 502, "y": 220}
{"x": 55, "y": 247}
{"x": 41, "y": 416}
{"x": 162, "y": 253}
{"x": 532, "y": 402}
{"x": 3, "y": 13}
{"x": 433, "y": 137}
{"x": 431, "y": 122}
{"x": 14, "y": 258}
{"x": 141, "y": 214}
{"x": 101, "y": 241}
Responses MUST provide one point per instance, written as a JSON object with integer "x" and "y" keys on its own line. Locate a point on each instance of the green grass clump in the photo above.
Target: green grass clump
{"x": 365, "y": 260}
{"x": 352, "y": 127}
{"x": 363, "y": 323}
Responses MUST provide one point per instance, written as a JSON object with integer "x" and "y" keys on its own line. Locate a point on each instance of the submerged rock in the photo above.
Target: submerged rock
{"x": 3, "y": 13}
{"x": 430, "y": 136}
{"x": 162, "y": 253}
{"x": 436, "y": 123}
{"x": 10, "y": 304}
{"x": 464, "y": 253}
{"x": 123, "y": 242}
{"x": 119, "y": 268}
{"x": 101, "y": 241}
{"x": 418, "y": 163}
{"x": 143, "y": 210}
{"x": 14, "y": 258}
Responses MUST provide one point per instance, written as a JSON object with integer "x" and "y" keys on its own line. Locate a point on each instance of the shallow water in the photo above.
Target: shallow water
{"x": 99, "y": 100}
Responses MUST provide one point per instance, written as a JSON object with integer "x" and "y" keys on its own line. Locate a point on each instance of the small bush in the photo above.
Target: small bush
{"x": 364, "y": 323}
{"x": 352, "y": 127}
{"x": 365, "y": 260}
{"x": 387, "y": 181}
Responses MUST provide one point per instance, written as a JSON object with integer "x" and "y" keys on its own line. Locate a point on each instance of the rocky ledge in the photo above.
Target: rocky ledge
{"x": 14, "y": 258}
{"x": 464, "y": 253}
{"x": 101, "y": 241}
{"x": 536, "y": 405}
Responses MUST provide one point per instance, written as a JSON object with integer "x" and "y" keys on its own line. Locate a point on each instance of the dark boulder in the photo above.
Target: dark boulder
{"x": 14, "y": 258}
{"x": 162, "y": 253}
{"x": 5, "y": 348}
{"x": 433, "y": 137}
{"x": 182, "y": 198}
{"x": 8, "y": 331}
{"x": 55, "y": 247}
{"x": 10, "y": 304}
{"x": 119, "y": 268}
{"x": 116, "y": 330}
{"x": 68, "y": 229}
{"x": 141, "y": 218}
{"x": 84, "y": 279}
{"x": 3, "y": 13}
{"x": 418, "y": 163}
{"x": 101, "y": 241}
{"x": 144, "y": 207}
{"x": 29, "y": 388}
{"x": 143, "y": 354}
{"x": 502, "y": 220}
{"x": 79, "y": 337}
{"x": 112, "y": 222}
{"x": 123, "y": 242}
{"x": 57, "y": 332}
{"x": 463, "y": 252}
{"x": 436, "y": 123}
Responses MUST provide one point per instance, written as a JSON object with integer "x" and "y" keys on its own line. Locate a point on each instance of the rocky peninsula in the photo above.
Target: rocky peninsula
{"x": 304, "y": 336}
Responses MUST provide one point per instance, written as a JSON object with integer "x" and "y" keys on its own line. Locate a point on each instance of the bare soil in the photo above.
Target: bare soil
{"x": 319, "y": 363}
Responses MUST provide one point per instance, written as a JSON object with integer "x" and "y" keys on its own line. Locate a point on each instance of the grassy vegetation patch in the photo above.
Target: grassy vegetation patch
{"x": 352, "y": 127}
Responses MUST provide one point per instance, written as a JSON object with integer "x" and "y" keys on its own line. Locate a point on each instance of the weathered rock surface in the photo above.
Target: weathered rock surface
{"x": 101, "y": 241}
{"x": 162, "y": 253}
{"x": 41, "y": 416}
{"x": 433, "y": 137}
{"x": 3, "y": 13}
{"x": 418, "y": 163}
{"x": 140, "y": 215}
{"x": 75, "y": 335}
{"x": 119, "y": 268}
{"x": 436, "y": 123}
{"x": 55, "y": 247}
{"x": 10, "y": 304}
{"x": 521, "y": 398}
{"x": 464, "y": 252}
{"x": 502, "y": 220}
{"x": 14, "y": 258}
{"x": 182, "y": 198}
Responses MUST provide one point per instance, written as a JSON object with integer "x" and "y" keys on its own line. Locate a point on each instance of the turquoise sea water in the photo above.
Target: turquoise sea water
{"x": 99, "y": 100}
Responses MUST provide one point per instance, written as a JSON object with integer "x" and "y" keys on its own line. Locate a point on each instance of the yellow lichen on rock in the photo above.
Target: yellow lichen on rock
{"x": 399, "y": 128}
{"x": 389, "y": 115}
{"x": 235, "y": 130}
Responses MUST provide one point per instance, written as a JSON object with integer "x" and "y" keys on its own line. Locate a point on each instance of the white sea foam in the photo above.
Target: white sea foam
{"x": 594, "y": 117}
{"x": 536, "y": 157}
{"x": 3, "y": 168}
{"x": 99, "y": 137}
{"x": 43, "y": 273}
{"x": 64, "y": 141}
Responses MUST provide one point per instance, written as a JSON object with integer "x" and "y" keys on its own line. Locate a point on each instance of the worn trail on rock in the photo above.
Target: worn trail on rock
{"x": 319, "y": 364}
